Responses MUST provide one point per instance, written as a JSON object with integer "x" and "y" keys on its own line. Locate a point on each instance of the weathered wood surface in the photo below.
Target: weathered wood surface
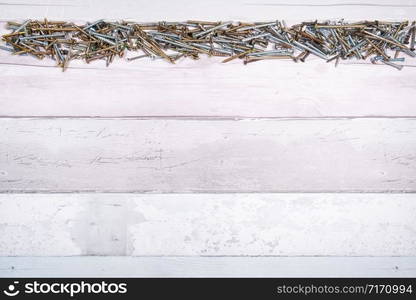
{"x": 208, "y": 224}
{"x": 274, "y": 155}
{"x": 213, "y": 131}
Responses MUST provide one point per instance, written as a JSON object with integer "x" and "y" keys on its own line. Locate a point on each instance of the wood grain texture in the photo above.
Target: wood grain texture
{"x": 138, "y": 155}
{"x": 208, "y": 225}
{"x": 211, "y": 128}
{"x": 93, "y": 266}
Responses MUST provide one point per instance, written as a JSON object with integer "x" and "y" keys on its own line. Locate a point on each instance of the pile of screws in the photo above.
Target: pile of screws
{"x": 382, "y": 42}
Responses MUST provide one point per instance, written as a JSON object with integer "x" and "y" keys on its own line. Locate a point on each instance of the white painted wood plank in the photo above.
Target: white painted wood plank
{"x": 207, "y": 155}
{"x": 205, "y": 88}
{"x": 209, "y": 10}
{"x": 208, "y": 224}
{"x": 207, "y": 267}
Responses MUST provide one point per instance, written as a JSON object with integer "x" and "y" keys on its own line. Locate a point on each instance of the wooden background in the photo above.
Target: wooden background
{"x": 203, "y": 168}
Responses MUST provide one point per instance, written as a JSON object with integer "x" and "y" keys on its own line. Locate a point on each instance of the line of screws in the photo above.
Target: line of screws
{"x": 251, "y": 42}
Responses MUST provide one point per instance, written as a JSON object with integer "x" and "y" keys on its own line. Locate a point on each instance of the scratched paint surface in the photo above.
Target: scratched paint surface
{"x": 213, "y": 131}
{"x": 315, "y": 155}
